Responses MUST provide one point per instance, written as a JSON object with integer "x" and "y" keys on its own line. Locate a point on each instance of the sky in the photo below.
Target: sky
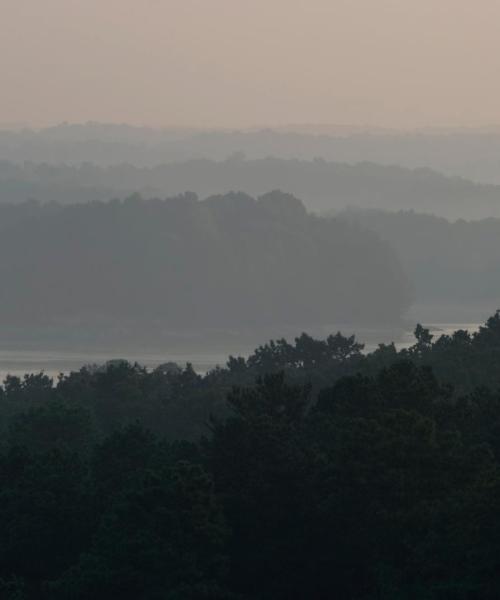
{"x": 246, "y": 63}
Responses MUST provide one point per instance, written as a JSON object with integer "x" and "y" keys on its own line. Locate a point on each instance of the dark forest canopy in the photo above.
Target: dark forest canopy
{"x": 182, "y": 264}
{"x": 447, "y": 262}
{"x": 308, "y": 470}
{"x": 323, "y": 185}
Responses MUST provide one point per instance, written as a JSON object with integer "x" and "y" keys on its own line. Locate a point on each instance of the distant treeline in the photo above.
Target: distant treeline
{"x": 449, "y": 263}
{"x": 324, "y": 186}
{"x": 229, "y": 262}
{"x": 465, "y": 153}
{"x": 308, "y": 470}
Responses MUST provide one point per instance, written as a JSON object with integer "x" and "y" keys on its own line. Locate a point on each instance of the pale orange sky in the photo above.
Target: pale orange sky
{"x": 241, "y": 63}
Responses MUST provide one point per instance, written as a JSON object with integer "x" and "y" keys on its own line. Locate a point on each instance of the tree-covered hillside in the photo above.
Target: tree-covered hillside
{"x": 229, "y": 262}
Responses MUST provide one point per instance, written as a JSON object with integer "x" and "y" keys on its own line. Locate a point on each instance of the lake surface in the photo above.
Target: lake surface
{"x": 20, "y": 361}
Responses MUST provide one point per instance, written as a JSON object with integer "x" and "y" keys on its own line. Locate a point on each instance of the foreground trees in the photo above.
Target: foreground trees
{"x": 383, "y": 483}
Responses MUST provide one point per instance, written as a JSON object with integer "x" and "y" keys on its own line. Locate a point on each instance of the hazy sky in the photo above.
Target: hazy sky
{"x": 396, "y": 63}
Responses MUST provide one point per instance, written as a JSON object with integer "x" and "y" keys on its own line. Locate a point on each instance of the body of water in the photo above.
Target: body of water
{"x": 19, "y": 361}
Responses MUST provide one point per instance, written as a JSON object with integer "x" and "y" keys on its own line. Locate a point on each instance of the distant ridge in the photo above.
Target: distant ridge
{"x": 324, "y": 186}
{"x": 472, "y": 153}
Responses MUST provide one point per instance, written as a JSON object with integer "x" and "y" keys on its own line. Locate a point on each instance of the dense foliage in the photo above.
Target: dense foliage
{"x": 229, "y": 262}
{"x": 308, "y": 470}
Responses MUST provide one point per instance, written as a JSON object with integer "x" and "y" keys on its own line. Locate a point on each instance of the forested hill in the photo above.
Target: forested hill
{"x": 324, "y": 186}
{"x": 182, "y": 264}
